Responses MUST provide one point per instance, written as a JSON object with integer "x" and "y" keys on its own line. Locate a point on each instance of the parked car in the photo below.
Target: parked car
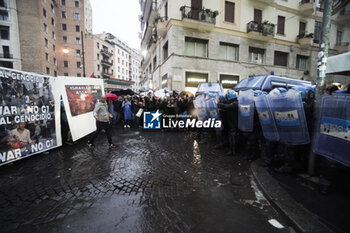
{"x": 269, "y": 82}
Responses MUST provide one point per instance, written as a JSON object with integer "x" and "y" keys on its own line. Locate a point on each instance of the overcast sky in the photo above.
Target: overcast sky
{"x": 119, "y": 17}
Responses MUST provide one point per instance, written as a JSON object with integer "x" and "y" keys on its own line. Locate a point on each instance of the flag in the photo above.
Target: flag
{"x": 92, "y": 75}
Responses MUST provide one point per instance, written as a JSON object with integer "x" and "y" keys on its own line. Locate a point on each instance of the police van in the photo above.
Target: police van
{"x": 269, "y": 82}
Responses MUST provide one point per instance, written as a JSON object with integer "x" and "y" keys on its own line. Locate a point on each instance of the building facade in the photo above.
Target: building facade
{"x": 186, "y": 42}
{"x": 116, "y": 62}
{"x": 10, "y": 54}
{"x": 52, "y": 34}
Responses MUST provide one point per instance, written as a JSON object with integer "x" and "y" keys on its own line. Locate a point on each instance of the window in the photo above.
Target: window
{"x": 193, "y": 79}
{"x": 65, "y": 39}
{"x": 228, "y": 51}
{"x": 165, "y": 51}
{"x": 55, "y": 73}
{"x": 66, "y": 74}
{"x": 98, "y": 67}
{"x": 196, "y": 47}
{"x": 44, "y": 12}
{"x": 118, "y": 60}
{"x": 302, "y": 28}
{"x": 154, "y": 63}
{"x": 280, "y": 25}
{"x": 6, "y": 51}
{"x": 78, "y": 53}
{"x": 46, "y": 42}
{"x": 3, "y": 3}
{"x": 45, "y": 28}
{"x": 63, "y": 2}
{"x": 76, "y": 16}
{"x": 64, "y": 27}
{"x": 65, "y": 63}
{"x": 77, "y": 28}
{"x": 5, "y": 32}
{"x": 302, "y": 62}
{"x": 339, "y": 37}
{"x": 98, "y": 56}
{"x": 52, "y": 9}
{"x": 118, "y": 68}
{"x": 281, "y": 58}
{"x": 77, "y": 40}
{"x": 256, "y": 55}
{"x": 4, "y": 15}
{"x": 64, "y": 14}
{"x": 47, "y": 70}
{"x": 76, "y": 3}
{"x": 55, "y": 61}
{"x": 122, "y": 62}
{"x": 229, "y": 11}
{"x": 229, "y": 81}
{"x": 47, "y": 56}
{"x": 318, "y": 32}
{"x": 78, "y": 64}
{"x": 54, "y": 48}
{"x": 78, "y": 74}
{"x": 257, "y": 15}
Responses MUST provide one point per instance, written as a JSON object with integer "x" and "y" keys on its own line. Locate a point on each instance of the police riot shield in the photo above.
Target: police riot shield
{"x": 246, "y": 111}
{"x": 266, "y": 118}
{"x": 212, "y": 108}
{"x": 332, "y": 137}
{"x": 200, "y": 106}
{"x": 288, "y": 110}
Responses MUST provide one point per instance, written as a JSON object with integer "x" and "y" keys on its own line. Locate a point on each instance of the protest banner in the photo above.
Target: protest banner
{"x": 79, "y": 96}
{"x": 29, "y": 116}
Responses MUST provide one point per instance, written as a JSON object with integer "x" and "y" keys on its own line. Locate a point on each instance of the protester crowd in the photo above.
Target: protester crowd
{"x": 280, "y": 156}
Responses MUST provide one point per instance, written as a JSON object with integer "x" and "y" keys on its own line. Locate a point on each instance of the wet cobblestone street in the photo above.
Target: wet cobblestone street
{"x": 152, "y": 182}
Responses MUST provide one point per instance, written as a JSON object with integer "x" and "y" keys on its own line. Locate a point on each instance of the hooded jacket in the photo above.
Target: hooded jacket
{"x": 101, "y": 112}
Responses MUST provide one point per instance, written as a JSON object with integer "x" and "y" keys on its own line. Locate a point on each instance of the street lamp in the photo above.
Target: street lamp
{"x": 65, "y": 51}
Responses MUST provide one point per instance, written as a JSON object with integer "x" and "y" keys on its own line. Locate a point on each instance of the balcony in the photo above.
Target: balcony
{"x": 6, "y": 55}
{"x": 305, "y": 40}
{"x": 106, "y": 52}
{"x": 306, "y": 7}
{"x": 154, "y": 12}
{"x": 264, "y": 31}
{"x": 201, "y": 19}
{"x": 344, "y": 16}
{"x": 162, "y": 26}
{"x": 106, "y": 63}
{"x": 107, "y": 74}
{"x": 341, "y": 47}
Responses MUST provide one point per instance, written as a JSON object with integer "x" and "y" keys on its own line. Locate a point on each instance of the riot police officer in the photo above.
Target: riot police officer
{"x": 229, "y": 112}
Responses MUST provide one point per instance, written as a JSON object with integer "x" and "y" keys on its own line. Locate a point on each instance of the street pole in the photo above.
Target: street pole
{"x": 83, "y": 52}
{"x": 321, "y": 65}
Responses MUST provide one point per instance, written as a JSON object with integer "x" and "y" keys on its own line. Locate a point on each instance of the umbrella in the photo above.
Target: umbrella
{"x": 184, "y": 93}
{"x": 120, "y": 92}
{"x": 111, "y": 96}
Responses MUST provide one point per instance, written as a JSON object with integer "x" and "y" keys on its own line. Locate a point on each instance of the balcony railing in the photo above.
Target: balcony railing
{"x": 204, "y": 15}
{"x": 264, "y": 28}
{"x": 6, "y": 55}
{"x": 107, "y": 74}
{"x": 106, "y": 63}
{"x": 341, "y": 43}
{"x": 106, "y": 52}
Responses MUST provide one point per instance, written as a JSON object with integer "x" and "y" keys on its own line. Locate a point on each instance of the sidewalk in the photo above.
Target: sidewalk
{"x": 298, "y": 198}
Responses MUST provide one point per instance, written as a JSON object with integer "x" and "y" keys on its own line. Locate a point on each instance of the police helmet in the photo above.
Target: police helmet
{"x": 231, "y": 94}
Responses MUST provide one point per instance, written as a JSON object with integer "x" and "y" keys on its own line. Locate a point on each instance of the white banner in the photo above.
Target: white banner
{"x": 79, "y": 97}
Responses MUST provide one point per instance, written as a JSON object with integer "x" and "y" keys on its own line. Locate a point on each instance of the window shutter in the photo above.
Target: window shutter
{"x": 257, "y": 15}
{"x": 280, "y": 25}
{"x": 229, "y": 12}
